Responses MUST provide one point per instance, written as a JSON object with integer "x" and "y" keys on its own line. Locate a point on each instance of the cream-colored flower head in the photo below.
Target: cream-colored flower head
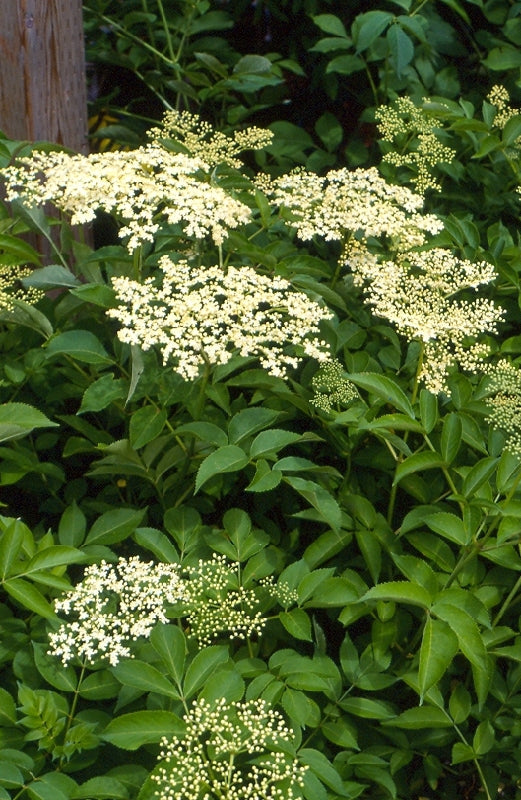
{"x": 143, "y": 189}
{"x": 201, "y": 315}
{"x": 112, "y": 607}
{"x": 414, "y": 135}
{"x": 416, "y": 293}
{"x": 235, "y": 750}
{"x": 500, "y": 98}
{"x": 11, "y": 289}
{"x": 201, "y": 140}
{"x": 347, "y": 202}
{"x": 218, "y": 604}
{"x": 505, "y": 402}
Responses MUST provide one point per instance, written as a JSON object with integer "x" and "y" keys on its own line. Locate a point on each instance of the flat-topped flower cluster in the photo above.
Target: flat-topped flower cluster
{"x": 117, "y": 604}
{"x": 238, "y": 751}
{"x": 199, "y": 315}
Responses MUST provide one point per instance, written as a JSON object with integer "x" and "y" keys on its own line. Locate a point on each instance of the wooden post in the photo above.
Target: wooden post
{"x": 43, "y": 94}
{"x": 42, "y": 72}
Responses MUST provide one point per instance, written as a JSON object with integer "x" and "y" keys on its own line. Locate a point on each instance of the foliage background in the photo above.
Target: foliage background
{"x": 395, "y": 519}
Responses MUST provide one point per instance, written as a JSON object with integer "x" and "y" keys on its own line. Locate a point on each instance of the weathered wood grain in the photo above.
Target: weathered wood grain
{"x": 42, "y": 72}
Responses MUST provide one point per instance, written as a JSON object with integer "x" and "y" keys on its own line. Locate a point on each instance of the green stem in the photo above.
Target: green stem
{"x": 474, "y": 758}
{"x": 135, "y": 39}
{"x": 137, "y": 262}
{"x": 478, "y": 545}
{"x": 166, "y": 29}
{"x": 70, "y": 716}
{"x": 507, "y": 602}
{"x": 415, "y": 388}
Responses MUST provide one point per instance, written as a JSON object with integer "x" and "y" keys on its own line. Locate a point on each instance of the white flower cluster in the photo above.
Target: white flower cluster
{"x": 143, "y": 188}
{"x": 217, "y": 603}
{"x": 230, "y": 751}
{"x": 11, "y": 288}
{"x": 415, "y": 141}
{"x": 348, "y": 202}
{"x": 500, "y": 98}
{"x": 416, "y": 292}
{"x": 331, "y": 388}
{"x": 113, "y": 606}
{"x": 280, "y": 591}
{"x": 505, "y": 402}
{"x": 201, "y": 140}
{"x": 204, "y": 315}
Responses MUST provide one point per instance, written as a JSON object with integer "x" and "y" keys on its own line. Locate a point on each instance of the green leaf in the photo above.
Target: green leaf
{"x": 81, "y": 345}
{"x": 451, "y": 437}
{"x": 503, "y": 58}
{"x": 418, "y": 462}
{"x": 114, "y": 526}
{"x": 101, "y": 393}
{"x": 19, "y": 252}
{"x": 512, "y": 131}
{"x": 400, "y": 592}
{"x": 55, "y": 556}
{"x": 229, "y": 458}
{"x": 145, "y": 425}
{"x": 224, "y": 682}
{"x": 157, "y": 543}
{"x": 7, "y": 708}
{"x": 102, "y": 788}
{"x": 130, "y": 731}
{"x": 265, "y": 478}
{"x": 368, "y": 27}
{"x": 170, "y": 644}
{"x": 319, "y": 498}
{"x": 368, "y": 708}
{"x": 10, "y": 776}
{"x": 450, "y": 527}
{"x": 462, "y": 752}
{"x": 401, "y": 48}
{"x": 29, "y": 597}
{"x": 330, "y": 24}
{"x": 252, "y": 64}
{"x": 297, "y": 624}
{"x": 345, "y": 65}
{"x": 246, "y": 542}
{"x": 271, "y": 441}
{"x": 414, "y": 719}
{"x": 206, "y": 431}
{"x": 465, "y": 627}
{"x": 329, "y": 131}
{"x": 53, "y": 671}
{"x": 138, "y": 367}
{"x": 341, "y": 732}
{"x": 484, "y": 738}
{"x": 460, "y": 703}
{"x": 203, "y": 665}
{"x": 323, "y": 769}
{"x": 50, "y": 277}
{"x": 19, "y": 419}
{"x": 72, "y": 526}
{"x": 477, "y": 476}
{"x": 100, "y": 685}
{"x": 29, "y": 317}
{"x": 183, "y": 524}
{"x": 438, "y": 648}
{"x": 249, "y": 421}
{"x": 384, "y": 388}
{"x": 10, "y": 545}
{"x": 428, "y": 410}
{"x": 143, "y": 676}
